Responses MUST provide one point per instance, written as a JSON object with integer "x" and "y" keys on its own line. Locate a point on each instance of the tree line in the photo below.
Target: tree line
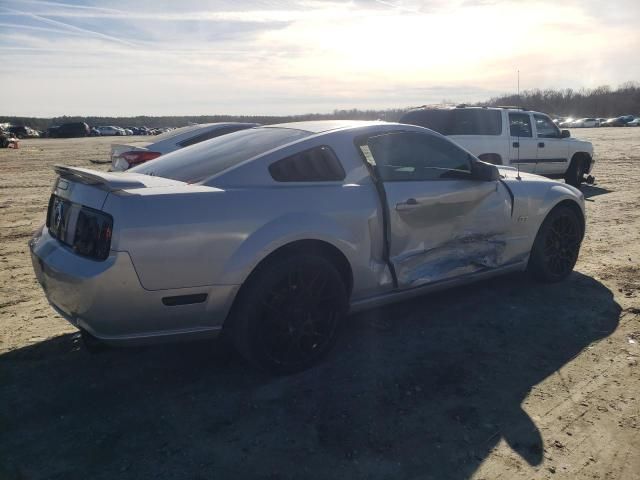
{"x": 602, "y": 101}
{"x": 182, "y": 120}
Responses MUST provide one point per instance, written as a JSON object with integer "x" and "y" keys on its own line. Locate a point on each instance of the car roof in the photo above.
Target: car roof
{"x": 321, "y": 126}
{"x": 508, "y": 109}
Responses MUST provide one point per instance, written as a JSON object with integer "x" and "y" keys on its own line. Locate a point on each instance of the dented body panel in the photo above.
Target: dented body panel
{"x": 455, "y": 227}
{"x": 174, "y": 239}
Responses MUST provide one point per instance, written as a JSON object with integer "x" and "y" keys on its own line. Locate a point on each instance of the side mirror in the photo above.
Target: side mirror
{"x": 565, "y": 134}
{"x": 485, "y": 172}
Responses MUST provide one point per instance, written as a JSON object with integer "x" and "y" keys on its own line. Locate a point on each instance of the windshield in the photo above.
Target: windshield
{"x": 203, "y": 160}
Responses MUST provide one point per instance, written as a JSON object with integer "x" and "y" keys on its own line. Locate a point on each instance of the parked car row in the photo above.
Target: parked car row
{"x": 81, "y": 129}
{"x": 622, "y": 121}
{"x": 111, "y": 130}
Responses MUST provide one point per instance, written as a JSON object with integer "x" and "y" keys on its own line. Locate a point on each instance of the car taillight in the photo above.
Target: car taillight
{"x": 136, "y": 157}
{"x": 85, "y": 230}
{"x": 92, "y": 237}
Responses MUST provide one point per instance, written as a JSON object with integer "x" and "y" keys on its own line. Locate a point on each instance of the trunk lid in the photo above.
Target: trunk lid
{"x": 90, "y": 188}
{"x": 76, "y": 216}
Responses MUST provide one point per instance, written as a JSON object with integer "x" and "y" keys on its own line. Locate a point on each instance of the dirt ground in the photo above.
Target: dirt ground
{"x": 501, "y": 380}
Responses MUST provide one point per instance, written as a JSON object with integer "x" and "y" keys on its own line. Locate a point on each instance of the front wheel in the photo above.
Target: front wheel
{"x": 575, "y": 173}
{"x": 557, "y": 245}
{"x": 287, "y": 316}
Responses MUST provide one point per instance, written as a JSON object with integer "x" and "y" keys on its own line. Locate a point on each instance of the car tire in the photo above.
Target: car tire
{"x": 575, "y": 173}
{"x": 91, "y": 343}
{"x": 557, "y": 245}
{"x": 287, "y": 316}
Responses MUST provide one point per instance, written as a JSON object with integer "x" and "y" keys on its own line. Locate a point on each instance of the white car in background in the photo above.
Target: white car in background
{"x": 110, "y": 131}
{"x": 125, "y": 156}
{"x": 585, "y": 123}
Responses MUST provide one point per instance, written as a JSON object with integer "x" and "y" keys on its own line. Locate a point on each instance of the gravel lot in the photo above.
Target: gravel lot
{"x": 501, "y": 380}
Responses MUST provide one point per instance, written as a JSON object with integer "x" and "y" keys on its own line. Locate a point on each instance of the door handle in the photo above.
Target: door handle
{"x": 516, "y": 144}
{"x": 540, "y": 144}
{"x": 407, "y": 205}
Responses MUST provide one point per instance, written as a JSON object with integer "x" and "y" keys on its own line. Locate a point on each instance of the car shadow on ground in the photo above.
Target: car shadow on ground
{"x": 590, "y": 191}
{"x": 421, "y": 389}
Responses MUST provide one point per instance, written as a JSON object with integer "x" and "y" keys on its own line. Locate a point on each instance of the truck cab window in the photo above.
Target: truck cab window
{"x": 520, "y": 125}
{"x": 545, "y": 127}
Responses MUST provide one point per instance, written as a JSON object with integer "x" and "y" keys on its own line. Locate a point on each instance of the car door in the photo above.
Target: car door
{"x": 523, "y": 148}
{"x": 442, "y": 223}
{"x": 553, "y": 150}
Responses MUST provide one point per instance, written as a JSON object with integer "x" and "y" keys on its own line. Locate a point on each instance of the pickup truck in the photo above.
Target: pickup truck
{"x": 524, "y": 139}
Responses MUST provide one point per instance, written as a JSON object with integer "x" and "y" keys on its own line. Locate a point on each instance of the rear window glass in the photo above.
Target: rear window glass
{"x": 473, "y": 121}
{"x": 212, "y": 133}
{"x": 176, "y": 131}
{"x": 203, "y": 160}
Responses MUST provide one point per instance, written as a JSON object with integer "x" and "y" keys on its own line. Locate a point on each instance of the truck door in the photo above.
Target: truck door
{"x": 523, "y": 148}
{"x": 553, "y": 150}
{"x": 442, "y": 223}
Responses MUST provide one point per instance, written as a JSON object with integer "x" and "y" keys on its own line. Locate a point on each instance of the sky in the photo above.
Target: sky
{"x": 272, "y": 57}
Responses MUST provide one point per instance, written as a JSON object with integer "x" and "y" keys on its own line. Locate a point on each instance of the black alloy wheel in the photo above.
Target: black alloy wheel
{"x": 562, "y": 245}
{"x": 288, "y": 316}
{"x": 557, "y": 245}
{"x": 299, "y": 316}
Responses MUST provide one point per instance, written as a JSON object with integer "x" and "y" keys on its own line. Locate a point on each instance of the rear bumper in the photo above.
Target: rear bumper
{"x": 106, "y": 297}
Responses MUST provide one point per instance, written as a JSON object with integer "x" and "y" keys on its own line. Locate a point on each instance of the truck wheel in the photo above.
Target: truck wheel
{"x": 557, "y": 245}
{"x": 287, "y": 317}
{"x": 575, "y": 173}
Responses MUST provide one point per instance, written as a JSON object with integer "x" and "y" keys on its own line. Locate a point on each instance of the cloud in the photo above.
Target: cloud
{"x": 277, "y": 57}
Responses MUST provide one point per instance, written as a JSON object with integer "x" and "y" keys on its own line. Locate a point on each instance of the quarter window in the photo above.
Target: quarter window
{"x": 545, "y": 127}
{"x": 520, "y": 125}
{"x": 406, "y": 156}
{"x": 318, "y": 164}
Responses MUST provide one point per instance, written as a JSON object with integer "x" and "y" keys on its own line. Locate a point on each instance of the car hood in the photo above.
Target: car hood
{"x": 581, "y": 145}
{"x": 532, "y": 184}
{"x": 512, "y": 174}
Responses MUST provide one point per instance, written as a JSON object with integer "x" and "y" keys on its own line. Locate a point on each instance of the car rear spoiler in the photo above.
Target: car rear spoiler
{"x": 113, "y": 181}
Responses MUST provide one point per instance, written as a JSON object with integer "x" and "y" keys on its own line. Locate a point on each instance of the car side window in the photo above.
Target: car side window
{"x": 213, "y": 133}
{"x": 545, "y": 127}
{"x": 317, "y": 164}
{"x": 520, "y": 125}
{"x": 407, "y": 156}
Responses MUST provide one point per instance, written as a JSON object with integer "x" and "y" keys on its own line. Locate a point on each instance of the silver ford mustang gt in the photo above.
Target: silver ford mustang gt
{"x": 274, "y": 233}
